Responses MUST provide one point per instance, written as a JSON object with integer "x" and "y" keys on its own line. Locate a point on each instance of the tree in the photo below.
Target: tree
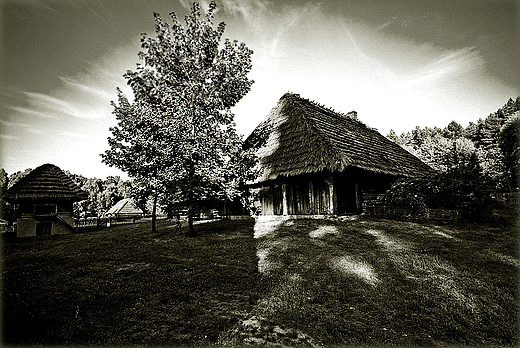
{"x": 178, "y": 132}
{"x": 463, "y": 188}
{"x": 509, "y": 144}
{"x": 15, "y": 177}
{"x": 3, "y": 187}
{"x": 453, "y": 130}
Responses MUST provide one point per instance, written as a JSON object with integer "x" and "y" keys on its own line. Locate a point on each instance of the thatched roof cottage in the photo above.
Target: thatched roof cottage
{"x": 44, "y": 201}
{"x": 315, "y": 161}
{"x": 126, "y": 208}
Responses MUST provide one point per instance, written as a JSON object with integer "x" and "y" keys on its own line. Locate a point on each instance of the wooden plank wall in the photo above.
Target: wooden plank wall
{"x": 304, "y": 197}
{"x": 323, "y": 193}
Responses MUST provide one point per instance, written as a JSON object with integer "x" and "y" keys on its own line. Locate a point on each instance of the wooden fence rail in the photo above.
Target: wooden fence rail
{"x": 509, "y": 198}
{"x": 8, "y": 229}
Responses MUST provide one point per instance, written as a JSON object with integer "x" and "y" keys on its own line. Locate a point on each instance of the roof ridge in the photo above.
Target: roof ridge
{"x": 323, "y": 107}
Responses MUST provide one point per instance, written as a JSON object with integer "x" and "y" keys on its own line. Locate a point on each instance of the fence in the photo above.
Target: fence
{"x": 87, "y": 223}
{"x": 508, "y": 198}
{"x": 93, "y": 223}
{"x": 376, "y": 205}
{"x": 8, "y": 229}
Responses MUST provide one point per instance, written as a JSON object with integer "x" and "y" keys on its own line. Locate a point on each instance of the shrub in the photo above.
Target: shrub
{"x": 463, "y": 188}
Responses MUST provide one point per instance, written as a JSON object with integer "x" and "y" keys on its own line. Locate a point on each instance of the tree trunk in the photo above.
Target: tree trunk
{"x": 191, "y": 232}
{"x": 154, "y": 212}
{"x": 191, "y": 200}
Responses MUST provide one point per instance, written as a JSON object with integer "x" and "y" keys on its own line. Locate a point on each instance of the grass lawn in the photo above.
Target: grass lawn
{"x": 366, "y": 282}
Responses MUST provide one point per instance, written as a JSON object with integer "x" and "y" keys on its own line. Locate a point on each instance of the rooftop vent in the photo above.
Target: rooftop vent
{"x": 352, "y": 114}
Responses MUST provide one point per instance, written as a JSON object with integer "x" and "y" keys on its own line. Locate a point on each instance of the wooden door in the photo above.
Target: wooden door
{"x": 43, "y": 228}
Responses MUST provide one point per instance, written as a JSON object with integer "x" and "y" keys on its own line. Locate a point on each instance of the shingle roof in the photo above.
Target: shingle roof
{"x": 46, "y": 181}
{"x": 299, "y": 136}
{"x": 124, "y": 207}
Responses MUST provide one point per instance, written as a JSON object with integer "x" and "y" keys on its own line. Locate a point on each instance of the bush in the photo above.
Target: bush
{"x": 463, "y": 188}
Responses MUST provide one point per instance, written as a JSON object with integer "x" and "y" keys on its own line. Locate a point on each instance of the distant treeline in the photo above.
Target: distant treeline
{"x": 475, "y": 165}
{"x": 492, "y": 142}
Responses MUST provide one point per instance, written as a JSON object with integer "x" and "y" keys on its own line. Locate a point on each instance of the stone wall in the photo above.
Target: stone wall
{"x": 374, "y": 204}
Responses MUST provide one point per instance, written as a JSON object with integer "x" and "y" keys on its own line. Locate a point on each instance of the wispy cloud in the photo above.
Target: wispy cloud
{"x": 44, "y": 8}
{"x": 24, "y": 127}
{"x": 446, "y": 65}
{"x": 87, "y": 88}
{"x": 9, "y": 137}
{"x": 75, "y": 135}
{"x": 249, "y": 10}
{"x": 33, "y": 112}
{"x": 48, "y": 106}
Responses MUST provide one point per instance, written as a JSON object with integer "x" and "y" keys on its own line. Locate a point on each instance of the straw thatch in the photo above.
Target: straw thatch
{"x": 124, "y": 208}
{"x": 299, "y": 137}
{"x": 45, "y": 182}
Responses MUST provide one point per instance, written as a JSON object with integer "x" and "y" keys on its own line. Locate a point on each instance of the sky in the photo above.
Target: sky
{"x": 398, "y": 63}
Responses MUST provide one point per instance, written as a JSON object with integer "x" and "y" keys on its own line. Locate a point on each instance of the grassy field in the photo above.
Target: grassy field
{"x": 365, "y": 282}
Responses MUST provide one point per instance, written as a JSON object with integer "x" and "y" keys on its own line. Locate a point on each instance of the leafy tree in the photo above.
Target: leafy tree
{"x": 453, "y": 131}
{"x": 510, "y": 146}
{"x": 102, "y": 194}
{"x": 463, "y": 188}
{"x": 472, "y": 163}
{"x": 178, "y": 133}
{"x": 13, "y": 178}
{"x": 3, "y": 187}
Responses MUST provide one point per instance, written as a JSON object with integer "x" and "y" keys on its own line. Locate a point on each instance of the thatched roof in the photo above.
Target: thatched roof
{"x": 125, "y": 207}
{"x": 299, "y": 136}
{"x": 46, "y": 181}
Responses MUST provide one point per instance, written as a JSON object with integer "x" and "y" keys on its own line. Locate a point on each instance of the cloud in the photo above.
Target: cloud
{"x": 249, "y": 10}
{"x": 9, "y": 137}
{"x": 447, "y": 65}
{"x": 38, "y": 113}
{"x": 27, "y": 127}
{"x": 75, "y": 135}
{"x": 76, "y": 103}
{"x": 87, "y": 88}
{"x": 348, "y": 64}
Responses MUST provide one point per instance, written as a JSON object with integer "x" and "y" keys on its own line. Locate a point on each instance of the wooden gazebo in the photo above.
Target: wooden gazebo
{"x": 44, "y": 202}
{"x": 315, "y": 161}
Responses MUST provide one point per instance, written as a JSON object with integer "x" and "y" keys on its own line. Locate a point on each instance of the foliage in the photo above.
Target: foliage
{"x": 509, "y": 144}
{"x": 472, "y": 163}
{"x": 4, "y": 180}
{"x": 102, "y": 194}
{"x": 178, "y": 136}
{"x": 463, "y": 188}
{"x": 444, "y": 149}
{"x": 15, "y": 177}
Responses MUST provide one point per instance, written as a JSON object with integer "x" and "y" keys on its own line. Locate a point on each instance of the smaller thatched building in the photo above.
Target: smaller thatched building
{"x": 44, "y": 202}
{"x": 125, "y": 209}
{"x": 315, "y": 161}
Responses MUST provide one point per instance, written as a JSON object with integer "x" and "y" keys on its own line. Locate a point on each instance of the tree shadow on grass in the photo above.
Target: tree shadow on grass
{"x": 384, "y": 282}
{"x": 124, "y": 285}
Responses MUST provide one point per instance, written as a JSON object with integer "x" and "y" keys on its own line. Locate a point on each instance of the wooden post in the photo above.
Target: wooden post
{"x": 312, "y": 208}
{"x": 359, "y": 196}
{"x": 332, "y": 196}
{"x": 284, "y": 199}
